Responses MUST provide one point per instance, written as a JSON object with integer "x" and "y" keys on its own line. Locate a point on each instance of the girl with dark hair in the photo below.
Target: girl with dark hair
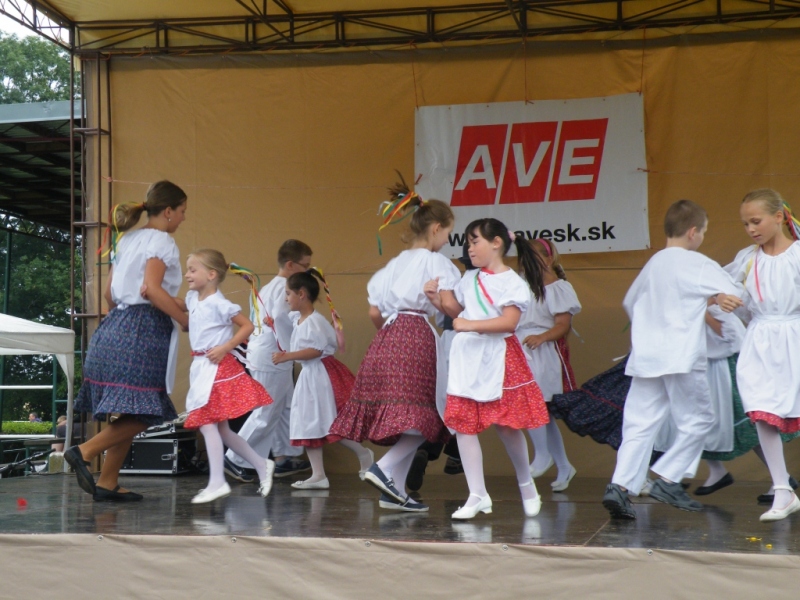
{"x": 130, "y": 364}
{"x": 489, "y": 382}
{"x": 394, "y": 400}
{"x": 542, "y": 330}
{"x": 324, "y": 383}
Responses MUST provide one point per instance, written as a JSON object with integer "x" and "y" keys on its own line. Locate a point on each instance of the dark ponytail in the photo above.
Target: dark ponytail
{"x": 531, "y": 264}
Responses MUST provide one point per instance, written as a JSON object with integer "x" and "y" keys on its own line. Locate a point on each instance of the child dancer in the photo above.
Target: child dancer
{"x": 324, "y": 383}
{"x": 546, "y": 321}
{"x": 767, "y": 373}
{"x": 667, "y": 305}
{"x": 489, "y": 382}
{"x": 220, "y": 388}
{"x": 394, "y": 400}
{"x": 266, "y": 430}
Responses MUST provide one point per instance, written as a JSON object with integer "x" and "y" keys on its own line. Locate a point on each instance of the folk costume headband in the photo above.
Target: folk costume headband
{"x": 390, "y": 210}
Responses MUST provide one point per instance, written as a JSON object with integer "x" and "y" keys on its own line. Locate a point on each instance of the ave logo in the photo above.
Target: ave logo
{"x": 520, "y": 163}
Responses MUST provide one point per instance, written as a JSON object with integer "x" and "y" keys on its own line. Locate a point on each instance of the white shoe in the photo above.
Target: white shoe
{"x": 483, "y": 505}
{"x": 266, "y": 484}
{"x": 540, "y": 472}
{"x": 363, "y": 472}
{"x": 322, "y": 484}
{"x": 776, "y": 514}
{"x": 531, "y": 506}
{"x": 560, "y": 486}
{"x": 209, "y": 496}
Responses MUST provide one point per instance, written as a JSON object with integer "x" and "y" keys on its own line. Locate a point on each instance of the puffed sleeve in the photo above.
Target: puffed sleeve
{"x": 442, "y": 267}
{"x": 740, "y": 267}
{"x": 458, "y": 290}
{"x": 163, "y": 247}
{"x": 315, "y": 332}
{"x": 226, "y": 310}
{"x": 560, "y": 297}
{"x": 376, "y": 289}
{"x": 191, "y": 300}
{"x": 516, "y": 293}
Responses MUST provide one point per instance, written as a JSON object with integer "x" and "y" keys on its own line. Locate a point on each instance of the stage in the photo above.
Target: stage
{"x": 338, "y": 543}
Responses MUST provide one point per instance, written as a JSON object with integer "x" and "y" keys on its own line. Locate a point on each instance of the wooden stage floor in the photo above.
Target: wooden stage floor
{"x": 54, "y": 504}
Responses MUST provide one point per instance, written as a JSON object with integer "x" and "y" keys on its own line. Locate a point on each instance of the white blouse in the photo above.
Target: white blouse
{"x": 400, "y": 284}
{"x": 210, "y": 320}
{"x": 133, "y": 251}
{"x": 477, "y": 360}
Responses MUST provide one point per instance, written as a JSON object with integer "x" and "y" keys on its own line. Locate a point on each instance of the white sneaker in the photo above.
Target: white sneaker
{"x": 266, "y": 485}
{"x": 322, "y": 484}
{"x": 209, "y": 496}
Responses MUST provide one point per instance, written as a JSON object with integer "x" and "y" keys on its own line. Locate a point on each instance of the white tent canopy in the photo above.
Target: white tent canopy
{"x": 18, "y": 336}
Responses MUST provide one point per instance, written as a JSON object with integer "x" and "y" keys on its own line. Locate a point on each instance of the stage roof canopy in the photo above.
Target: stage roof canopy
{"x": 35, "y": 162}
{"x": 214, "y": 26}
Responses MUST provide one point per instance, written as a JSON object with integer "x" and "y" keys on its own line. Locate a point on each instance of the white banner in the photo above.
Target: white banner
{"x": 567, "y": 170}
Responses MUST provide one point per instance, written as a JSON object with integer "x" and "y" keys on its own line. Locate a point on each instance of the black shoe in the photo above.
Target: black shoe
{"x": 674, "y": 495}
{"x": 453, "y": 466}
{"x": 75, "y": 460}
{"x": 236, "y": 472}
{"x": 767, "y": 498}
{"x": 104, "y": 495}
{"x": 291, "y": 466}
{"x": 617, "y": 502}
{"x": 724, "y": 481}
{"x": 417, "y": 471}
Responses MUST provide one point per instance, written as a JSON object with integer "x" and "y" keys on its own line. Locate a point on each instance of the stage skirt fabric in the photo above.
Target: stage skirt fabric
{"x": 234, "y": 394}
{"x": 522, "y": 405}
{"x": 126, "y": 366}
{"x": 395, "y": 388}
{"x": 342, "y": 381}
{"x": 596, "y": 408}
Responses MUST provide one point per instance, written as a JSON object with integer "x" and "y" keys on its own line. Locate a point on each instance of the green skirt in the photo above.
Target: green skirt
{"x": 745, "y": 437}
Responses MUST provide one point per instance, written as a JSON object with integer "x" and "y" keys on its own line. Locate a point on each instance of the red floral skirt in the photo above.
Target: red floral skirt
{"x": 342, "y": 380}
{"x": 784, "y": 424}
{"x": 522, "y": 405}
{"x": 395, "y": 388}
{"x": 234, "y": 393}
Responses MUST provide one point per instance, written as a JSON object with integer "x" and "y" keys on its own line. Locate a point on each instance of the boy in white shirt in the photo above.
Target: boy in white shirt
{"x": 667, "y": 305}
{"x": 267, "y": 427}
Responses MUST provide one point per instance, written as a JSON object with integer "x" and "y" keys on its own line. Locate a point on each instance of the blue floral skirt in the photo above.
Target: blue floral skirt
{"x": 126, "y": 366}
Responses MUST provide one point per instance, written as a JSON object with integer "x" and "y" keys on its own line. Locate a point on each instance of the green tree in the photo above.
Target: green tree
{"x": 32, "y": 70}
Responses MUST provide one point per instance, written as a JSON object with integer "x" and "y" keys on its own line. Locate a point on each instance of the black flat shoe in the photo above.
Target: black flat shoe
{"x": 75, "y": 460}
{"x": 770, "y": 498}
{"x": 104, "y": 495}
{"x": 724, "y": 481}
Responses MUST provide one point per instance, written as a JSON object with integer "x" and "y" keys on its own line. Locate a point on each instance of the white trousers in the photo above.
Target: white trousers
{"x": 648, "y": 405}
{"x": 267, "y": 427}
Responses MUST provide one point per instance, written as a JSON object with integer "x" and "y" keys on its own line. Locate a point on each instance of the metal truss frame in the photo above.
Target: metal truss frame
{"x": 267, "y": 25}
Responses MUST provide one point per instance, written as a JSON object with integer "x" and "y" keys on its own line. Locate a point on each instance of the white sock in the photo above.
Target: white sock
{"x": 364, "y": 457}
{"x": 472, "y": 459}
{"x": 517, "y": 449}
{"x": 716, "y": 471}
{"x": 541, "y": 453}
{"x": 237, "y": 443}
{"x": 405, "y": 446}
{"x": 216, "y": 456}
{"x": 772, "y": 447}
{"x": 317, "y": 464}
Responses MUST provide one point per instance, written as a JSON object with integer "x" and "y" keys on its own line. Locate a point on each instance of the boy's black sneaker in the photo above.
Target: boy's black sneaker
{"x": 617, "y": 502}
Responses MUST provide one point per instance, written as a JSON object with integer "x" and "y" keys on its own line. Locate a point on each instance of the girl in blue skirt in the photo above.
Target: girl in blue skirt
{"x": 130, "y": 364}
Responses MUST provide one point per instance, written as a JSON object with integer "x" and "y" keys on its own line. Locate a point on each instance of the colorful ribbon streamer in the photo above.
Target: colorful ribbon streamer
{"x": 389, "y": 210}
{"x": 254, "y": 281}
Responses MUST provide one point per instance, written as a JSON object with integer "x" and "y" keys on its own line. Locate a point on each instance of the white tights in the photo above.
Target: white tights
{"x": 547, "y": 442}
{"x": 217, "y": 434}
{"x": 772, "y": 447}
{"x": 397, "y": 461}
{"x": 318, "y": 466}
{"x": 469, "y": 447}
